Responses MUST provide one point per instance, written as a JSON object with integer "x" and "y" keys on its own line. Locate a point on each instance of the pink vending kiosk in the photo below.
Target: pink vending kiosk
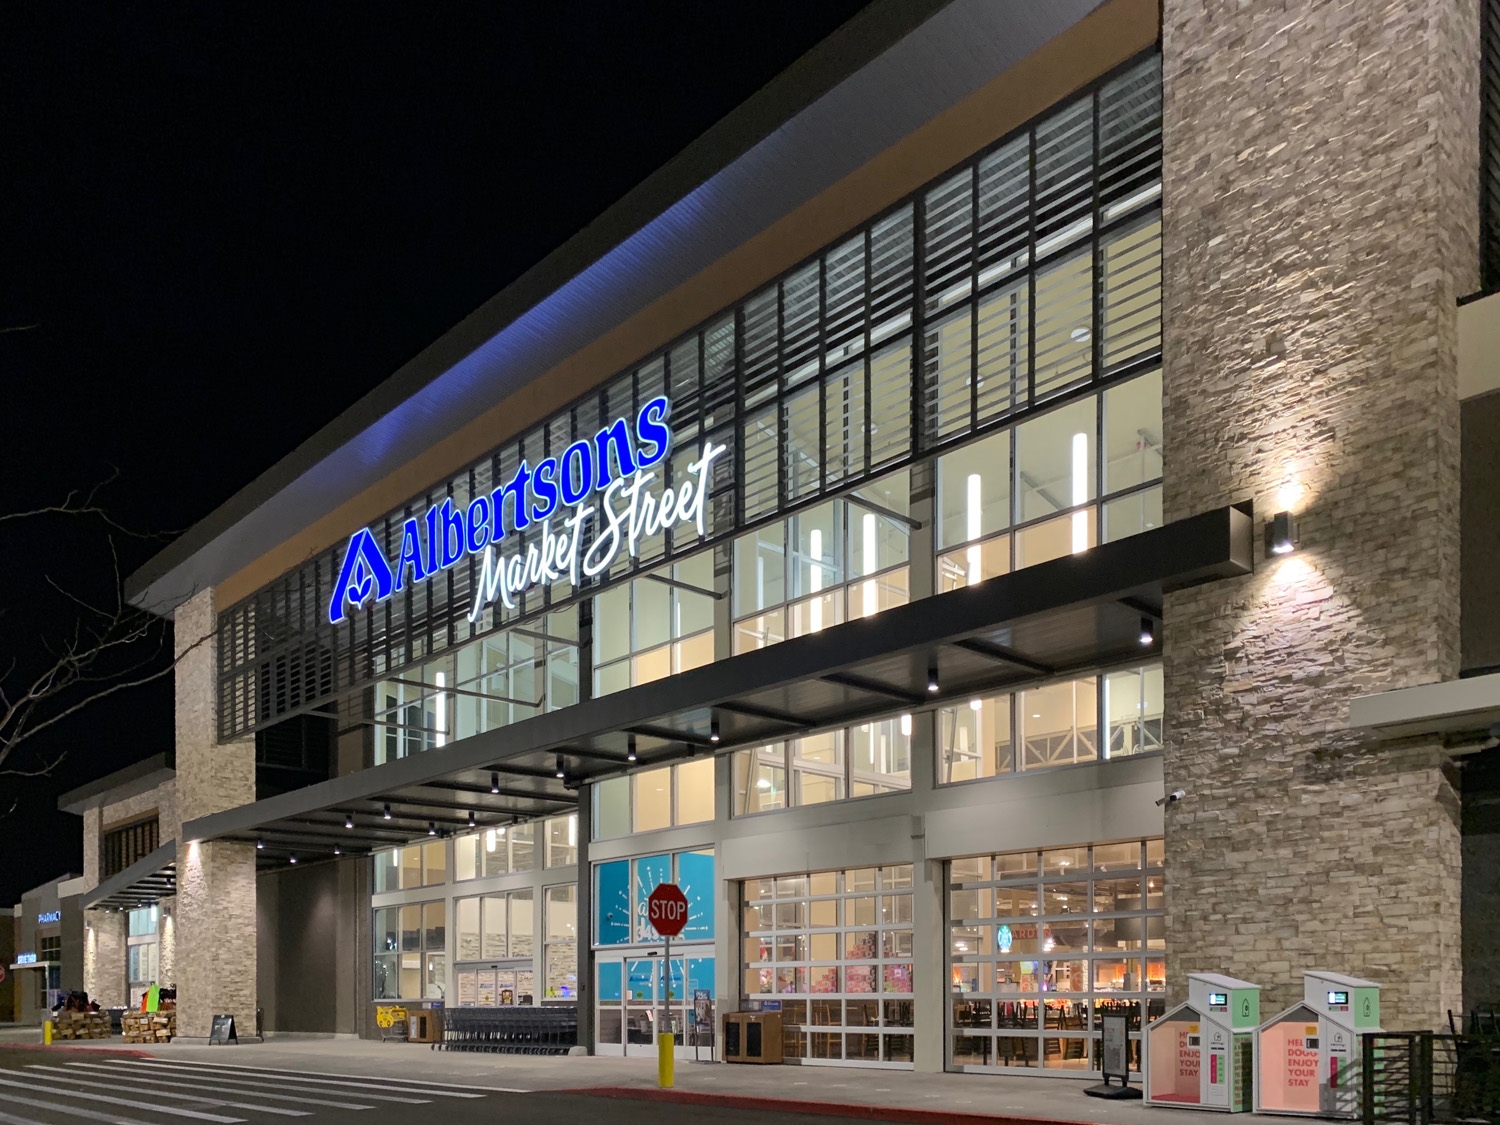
{"x": 1201, "y": 1055}
{"x": 1310, "y": 1053}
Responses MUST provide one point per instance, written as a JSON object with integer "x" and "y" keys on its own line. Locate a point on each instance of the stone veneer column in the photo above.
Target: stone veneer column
{"x": 214, "y": 923}
{"x": 1320, "y": 214}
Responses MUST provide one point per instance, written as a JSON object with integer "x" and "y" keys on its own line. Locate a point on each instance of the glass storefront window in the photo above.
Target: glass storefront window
{"x": 862, "y": 761}
{"x": 1042, "y": 945}
{"x": 410, "y": 951}
{"x": 418, "y": 865}
{"x": 655, "y": 625}
{"x": 561, "y": 953}
{"x": 654, "y": 799}
{"x": 837, "y": 983}
{"x": 494, "y": 851}
{"x": 1058, "y": 724}
{"x": 562, "y": 840}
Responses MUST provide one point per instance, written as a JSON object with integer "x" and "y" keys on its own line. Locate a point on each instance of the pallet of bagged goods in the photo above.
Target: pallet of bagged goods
{"x": 148, "y": 1027}
{"x": 80, "y": 1025}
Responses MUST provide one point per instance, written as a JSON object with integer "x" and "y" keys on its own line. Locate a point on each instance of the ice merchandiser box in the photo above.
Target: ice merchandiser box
{"x": 1310, "y": 1055}
{"x": 1201, "y": 1054}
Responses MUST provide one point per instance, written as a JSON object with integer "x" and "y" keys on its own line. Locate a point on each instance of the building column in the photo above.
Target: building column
{"x": 104, "y": 957}
{"x": 584, "y": 928}
{"x": 1320, "y": 212}
{"x": 214, "y": 949}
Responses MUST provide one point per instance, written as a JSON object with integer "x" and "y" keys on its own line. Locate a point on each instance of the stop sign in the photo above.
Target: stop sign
{"x": 667, "y": 909}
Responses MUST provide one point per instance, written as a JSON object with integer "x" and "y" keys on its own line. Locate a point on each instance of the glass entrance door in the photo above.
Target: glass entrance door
{"x": 629, "y": 1011}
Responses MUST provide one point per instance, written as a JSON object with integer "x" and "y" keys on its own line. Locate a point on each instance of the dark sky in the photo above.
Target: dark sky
{"x": 228, "y": 222}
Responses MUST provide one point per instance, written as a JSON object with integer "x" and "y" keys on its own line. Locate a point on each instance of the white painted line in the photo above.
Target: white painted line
{"x": 284, "y": 1084}
{"x": 438, "y": 1086}
{"x": 193, "y": 1113}
{"x": 155, "y": 1080}
{"x": 154, "y": 1091}
{"x": 71, "y": 1110}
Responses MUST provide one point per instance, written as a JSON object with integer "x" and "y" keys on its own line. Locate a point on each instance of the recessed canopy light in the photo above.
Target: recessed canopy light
{"x": 932, "y": 677}
{"x": 348, "y": 820}
{"x": 561, "y": 772}
{"x": 432, "y": 828}
{"x": 713, "y": 730}
{"x": 1148, "y": 632}
{"x": 292, "y": 859}
{"x": 471, "y": 818}
{"x": 494, "y": 783}
{"x": 260, "y": 843}
{"x": 386, "y": 812}
{"x": 630, "y": 749}
{"x": 337, "y": 850}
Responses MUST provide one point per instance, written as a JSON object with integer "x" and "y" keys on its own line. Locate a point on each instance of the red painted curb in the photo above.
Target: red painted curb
{"x": 123, "y": 1052}
{"x": 819, "y": 1109}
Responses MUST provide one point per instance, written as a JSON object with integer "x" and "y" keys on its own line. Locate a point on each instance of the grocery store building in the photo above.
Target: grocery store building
{"x": 974, "y": 520}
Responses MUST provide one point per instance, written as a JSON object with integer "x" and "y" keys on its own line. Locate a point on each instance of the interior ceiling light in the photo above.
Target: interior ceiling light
{"x": 1148, "y": 632}
{"x": 494, "y": 783}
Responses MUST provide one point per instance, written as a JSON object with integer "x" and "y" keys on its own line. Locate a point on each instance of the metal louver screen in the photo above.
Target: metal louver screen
{"x": 1025, "y": 275}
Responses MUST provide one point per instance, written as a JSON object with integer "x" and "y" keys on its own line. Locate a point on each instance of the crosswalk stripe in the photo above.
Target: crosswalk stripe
{"x": 282, "y": 1085}
{"x": 276, "y": 1070}
{"x": 218, "y": 1117}
{"x": 70, "y": 1110}
{"x": 394, "y": 1085}
{"x": 157, "y": 1080}
{"x": 76, "y": 1080}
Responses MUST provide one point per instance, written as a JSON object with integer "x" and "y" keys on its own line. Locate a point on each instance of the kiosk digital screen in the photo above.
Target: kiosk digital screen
{"x": 1220, "y": 1000}
{"x": 1338, "y": 998}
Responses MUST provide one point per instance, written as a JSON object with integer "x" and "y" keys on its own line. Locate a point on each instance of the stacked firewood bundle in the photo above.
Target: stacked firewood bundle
{"x": 80, "y": 1025}
{"x": 148, "y": 1027}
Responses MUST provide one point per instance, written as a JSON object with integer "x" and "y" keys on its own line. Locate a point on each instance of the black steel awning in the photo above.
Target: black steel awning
{"x": 1064, "y": 617}
{"x": 144, "y": 882}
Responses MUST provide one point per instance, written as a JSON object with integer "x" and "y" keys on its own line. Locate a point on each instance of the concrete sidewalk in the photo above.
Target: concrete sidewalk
{"x": 842, "y": 1091}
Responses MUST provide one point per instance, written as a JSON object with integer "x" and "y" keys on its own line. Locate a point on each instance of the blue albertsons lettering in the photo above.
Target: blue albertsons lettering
{"x": 612, "y": 464}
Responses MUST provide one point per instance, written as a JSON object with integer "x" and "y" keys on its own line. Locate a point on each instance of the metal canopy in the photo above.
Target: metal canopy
{"x": 143, "y": 883}
{"x": 1059, "y": 618}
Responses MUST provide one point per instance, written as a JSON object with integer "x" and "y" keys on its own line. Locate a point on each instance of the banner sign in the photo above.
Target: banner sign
{"x": 607, "y": 477}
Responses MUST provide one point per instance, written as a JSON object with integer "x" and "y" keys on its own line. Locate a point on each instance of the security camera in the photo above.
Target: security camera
{"x": 1175, "y": 795}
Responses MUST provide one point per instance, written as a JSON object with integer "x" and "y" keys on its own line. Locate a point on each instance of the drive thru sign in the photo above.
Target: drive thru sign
{"x": 667, "y": 910}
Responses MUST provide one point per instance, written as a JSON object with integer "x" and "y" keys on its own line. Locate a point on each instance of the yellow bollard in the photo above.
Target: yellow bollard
{"x": 666, "y": 1060}
{"x": 47, "y": 1032}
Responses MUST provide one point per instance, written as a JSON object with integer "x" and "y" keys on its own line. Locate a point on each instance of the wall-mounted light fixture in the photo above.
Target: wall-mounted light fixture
{"x": 1281, "y": 534}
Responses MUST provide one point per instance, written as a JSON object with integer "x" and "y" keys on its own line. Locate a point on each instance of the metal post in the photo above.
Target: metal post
{"x": 665, "y": 1060}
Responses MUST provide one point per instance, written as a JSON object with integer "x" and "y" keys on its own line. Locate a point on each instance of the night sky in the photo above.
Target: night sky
{"x": 223, "y": 224}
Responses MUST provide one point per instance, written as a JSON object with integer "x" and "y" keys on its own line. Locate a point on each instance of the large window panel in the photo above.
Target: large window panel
{"x": 1059, "y": 724}
{"x": 1131, "y": 292}
{"x": 1064, "y": 350}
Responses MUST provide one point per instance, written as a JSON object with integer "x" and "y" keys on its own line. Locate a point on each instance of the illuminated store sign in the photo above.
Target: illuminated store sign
{"x": 50, "y": 916}
{"x": 25, "y": 958}
{"x": 628, "y": 510}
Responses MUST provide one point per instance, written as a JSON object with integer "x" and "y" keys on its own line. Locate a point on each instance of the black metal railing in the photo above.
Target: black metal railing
{"x": 1419, "y": 1077}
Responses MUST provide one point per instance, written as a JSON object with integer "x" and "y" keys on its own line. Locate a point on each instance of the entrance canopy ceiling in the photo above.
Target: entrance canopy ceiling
{"x": 144, "y": 882}
{"x": 1071, "y": 615}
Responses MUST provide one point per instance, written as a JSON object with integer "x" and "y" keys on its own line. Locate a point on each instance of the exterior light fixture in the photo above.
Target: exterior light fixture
{"x": 1148, "y": 632}
{"x": 292, "y": 859}
{"x": 386, "y": 812}
{"x": 494, "y": 783}
{"x": 260, "y": 844}
{"x": 348, "y": 820}
{"x": 561, "y": 773}
{"x": 337, "y": 850}
{"x": 932, "y": 678}
{"x": 630, "y": 749}
{"x": 432, "y": 828}
{"x": 1281, "y": 534}
{"x": 713, "y": 729}
{"x": 471, "y": 819}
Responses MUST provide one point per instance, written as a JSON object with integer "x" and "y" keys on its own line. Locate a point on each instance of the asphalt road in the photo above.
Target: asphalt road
{"x": 62, "y": 1087}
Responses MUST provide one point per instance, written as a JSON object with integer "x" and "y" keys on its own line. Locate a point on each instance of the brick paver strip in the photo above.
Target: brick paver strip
{"x": 815, "y": 1108}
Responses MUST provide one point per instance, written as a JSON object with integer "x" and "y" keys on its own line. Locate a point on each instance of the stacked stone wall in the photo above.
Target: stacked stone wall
{"x": 1320, "y": 218}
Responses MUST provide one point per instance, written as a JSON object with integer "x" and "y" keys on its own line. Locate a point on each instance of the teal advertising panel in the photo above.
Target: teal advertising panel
{"x": 612, "y": 924}
{"x": 650, "y": 872}
{"x": 609, "y": 981}
{"x": 695, "y": 875}
{"x": 700, "y": 976}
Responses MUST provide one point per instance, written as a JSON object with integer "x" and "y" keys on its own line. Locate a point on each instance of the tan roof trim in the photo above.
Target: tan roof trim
{"x": 1101, "y": 41}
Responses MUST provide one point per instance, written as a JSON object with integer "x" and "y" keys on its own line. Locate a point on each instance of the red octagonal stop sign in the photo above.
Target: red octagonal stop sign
{"x": 667, "y": 909}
